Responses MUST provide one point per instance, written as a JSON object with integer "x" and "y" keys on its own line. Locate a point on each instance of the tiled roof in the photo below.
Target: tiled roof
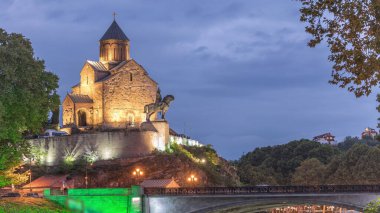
{"x": 97, "y": 66}
{"x": 50, "y": 181}
{"x": 159, "y": 183}
{"x": 324, "y": 136}
{"x": 114, "y": 32}
{"x": 80, "y": 98}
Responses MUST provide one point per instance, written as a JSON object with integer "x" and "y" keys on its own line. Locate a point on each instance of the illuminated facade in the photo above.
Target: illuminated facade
{"x": 369, "y": 133}
{"x": 113, "y": 91}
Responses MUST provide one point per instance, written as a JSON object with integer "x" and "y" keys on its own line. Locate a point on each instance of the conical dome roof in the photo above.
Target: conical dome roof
{"x": 114, "y": 32}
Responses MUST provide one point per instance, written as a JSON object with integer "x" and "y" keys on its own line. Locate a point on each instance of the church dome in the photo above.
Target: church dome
{"x": 114, "y": 32}
{"x": 114, "y": 46}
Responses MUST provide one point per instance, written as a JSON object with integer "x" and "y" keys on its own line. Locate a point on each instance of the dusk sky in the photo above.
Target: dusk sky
{"x": 241, "y": 72}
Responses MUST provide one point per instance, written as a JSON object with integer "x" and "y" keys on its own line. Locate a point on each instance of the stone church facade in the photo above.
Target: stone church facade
{"x": 113, "y": 91}
{"x": 112, "y": 94}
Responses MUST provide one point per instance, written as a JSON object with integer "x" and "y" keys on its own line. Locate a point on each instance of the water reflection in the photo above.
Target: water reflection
{"x": 311, "y": 209}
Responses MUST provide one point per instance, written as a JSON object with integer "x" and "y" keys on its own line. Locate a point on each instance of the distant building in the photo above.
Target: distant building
{"x": 326, "y": 138}
{"x": 369, "y": 132}
{"x": 160, "y": 183}
{"x": 182, "y": 139}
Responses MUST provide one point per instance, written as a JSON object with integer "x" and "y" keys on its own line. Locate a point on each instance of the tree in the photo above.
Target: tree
{"x": 280, "y": 162}
{"x": 351, "y": 29}
{"x": 310, "y": 172}
{"x": 373, "y": 207}
{"x": 25, "y": 98}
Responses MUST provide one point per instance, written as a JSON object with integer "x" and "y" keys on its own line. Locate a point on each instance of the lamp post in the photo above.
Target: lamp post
{"x": 30, "y": 180}
{"x": 192, "y": 179}
{"x": 86, "y": 178}
{"x": 138, "y": 173}
{"x": 30, "y": 173}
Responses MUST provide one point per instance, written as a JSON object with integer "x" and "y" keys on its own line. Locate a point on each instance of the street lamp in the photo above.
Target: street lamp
{"x": 30, "y": 180}
{"x": 137, "y": 173}
{"x": 86, "y": 178}
{"x": 192, "y": 179}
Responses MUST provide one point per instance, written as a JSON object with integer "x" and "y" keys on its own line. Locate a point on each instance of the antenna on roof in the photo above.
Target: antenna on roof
{"x": 114, "y": 16}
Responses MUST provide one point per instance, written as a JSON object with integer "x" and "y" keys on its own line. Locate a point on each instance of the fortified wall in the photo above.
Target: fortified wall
{"x": 103, "y": 145}
{"x": 109, "y": 145}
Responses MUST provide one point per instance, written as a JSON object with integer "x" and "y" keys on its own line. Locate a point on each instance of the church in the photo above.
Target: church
{"x": 113, "y": 91}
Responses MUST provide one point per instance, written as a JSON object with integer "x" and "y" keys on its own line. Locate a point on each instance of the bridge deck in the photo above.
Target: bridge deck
{"x": 263, "y": 190}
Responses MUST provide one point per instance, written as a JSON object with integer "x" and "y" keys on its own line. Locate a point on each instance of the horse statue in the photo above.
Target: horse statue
{"x": 159, "y": 106}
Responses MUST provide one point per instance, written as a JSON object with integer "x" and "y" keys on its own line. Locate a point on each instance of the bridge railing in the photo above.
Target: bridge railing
{"x": 262, "y": 190}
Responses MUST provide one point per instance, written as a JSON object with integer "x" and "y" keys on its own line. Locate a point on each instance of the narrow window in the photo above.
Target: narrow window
{"x": 87, "y": 80}
{"x": 120, "y": 54}
{"x": 114, "y": 54}
{"x": 130, "y": 77}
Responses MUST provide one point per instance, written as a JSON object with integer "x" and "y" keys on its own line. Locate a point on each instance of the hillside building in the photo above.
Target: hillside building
{"x": 369, "y": 133}
{"x": 112, "y": 91}
{"x": 326, "y": 138}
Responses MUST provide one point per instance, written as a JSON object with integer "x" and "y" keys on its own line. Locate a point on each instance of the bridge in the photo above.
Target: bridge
{"x": 211, "y": 199}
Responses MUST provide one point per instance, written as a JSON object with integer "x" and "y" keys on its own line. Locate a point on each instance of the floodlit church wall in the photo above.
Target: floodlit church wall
{"x": 68, "y": 111}
{"x": 98, "y": 104}
{"x": 87, "y": 80}
{"x": 125, "y": 95}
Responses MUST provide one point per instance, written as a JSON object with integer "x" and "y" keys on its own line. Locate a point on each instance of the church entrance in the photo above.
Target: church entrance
{"x": 82, "y": 118}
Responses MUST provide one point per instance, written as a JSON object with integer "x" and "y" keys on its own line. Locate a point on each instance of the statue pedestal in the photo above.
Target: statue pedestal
{"x": 161, "y": 128}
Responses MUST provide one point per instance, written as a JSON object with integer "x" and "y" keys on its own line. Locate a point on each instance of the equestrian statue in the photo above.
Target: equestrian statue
{"x": 161, "y": 105}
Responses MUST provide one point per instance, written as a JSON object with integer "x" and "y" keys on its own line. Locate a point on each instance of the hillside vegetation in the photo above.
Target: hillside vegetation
{"x": 29, "y": 205}
{"x": 304, "y": 162}
{"x": 177, "y": 162}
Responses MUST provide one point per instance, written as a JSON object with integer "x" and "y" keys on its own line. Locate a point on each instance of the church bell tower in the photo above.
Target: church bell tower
{"x": 114, "y": 46}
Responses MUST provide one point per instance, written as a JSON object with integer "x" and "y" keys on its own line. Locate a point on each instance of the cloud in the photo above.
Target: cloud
{"x": 244, "y": 39}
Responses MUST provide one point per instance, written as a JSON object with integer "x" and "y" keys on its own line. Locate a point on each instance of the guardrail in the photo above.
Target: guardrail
{"x": 262, "y": 190}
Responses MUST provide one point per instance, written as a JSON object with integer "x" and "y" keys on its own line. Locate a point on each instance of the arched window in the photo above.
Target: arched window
{"x": 106, "y": 53}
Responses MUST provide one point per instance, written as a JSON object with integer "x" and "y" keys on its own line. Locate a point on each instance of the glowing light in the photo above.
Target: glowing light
{"x": 135, "y": 199}
{"x": 107, "y": 154}
{"x": 138, "y": 172}
{"x": 116, "y": 117}
{"x": 192, "y": 178}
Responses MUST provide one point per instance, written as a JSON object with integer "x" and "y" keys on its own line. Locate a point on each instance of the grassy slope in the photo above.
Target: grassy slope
{"x": 28, "y": 205}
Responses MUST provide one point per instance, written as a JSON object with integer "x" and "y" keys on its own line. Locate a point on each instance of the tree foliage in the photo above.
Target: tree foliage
{"x": 351, "y": 29}
{"x": 354, "y": 161}
{"x": 28, "y": 93}
{"x": 278, "y": 163}
{"x": 310, "y": 172}
{"x": 373, "y": 207}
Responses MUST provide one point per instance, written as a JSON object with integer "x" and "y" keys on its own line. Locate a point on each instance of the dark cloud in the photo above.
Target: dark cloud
{"x": 241, "y": 71}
